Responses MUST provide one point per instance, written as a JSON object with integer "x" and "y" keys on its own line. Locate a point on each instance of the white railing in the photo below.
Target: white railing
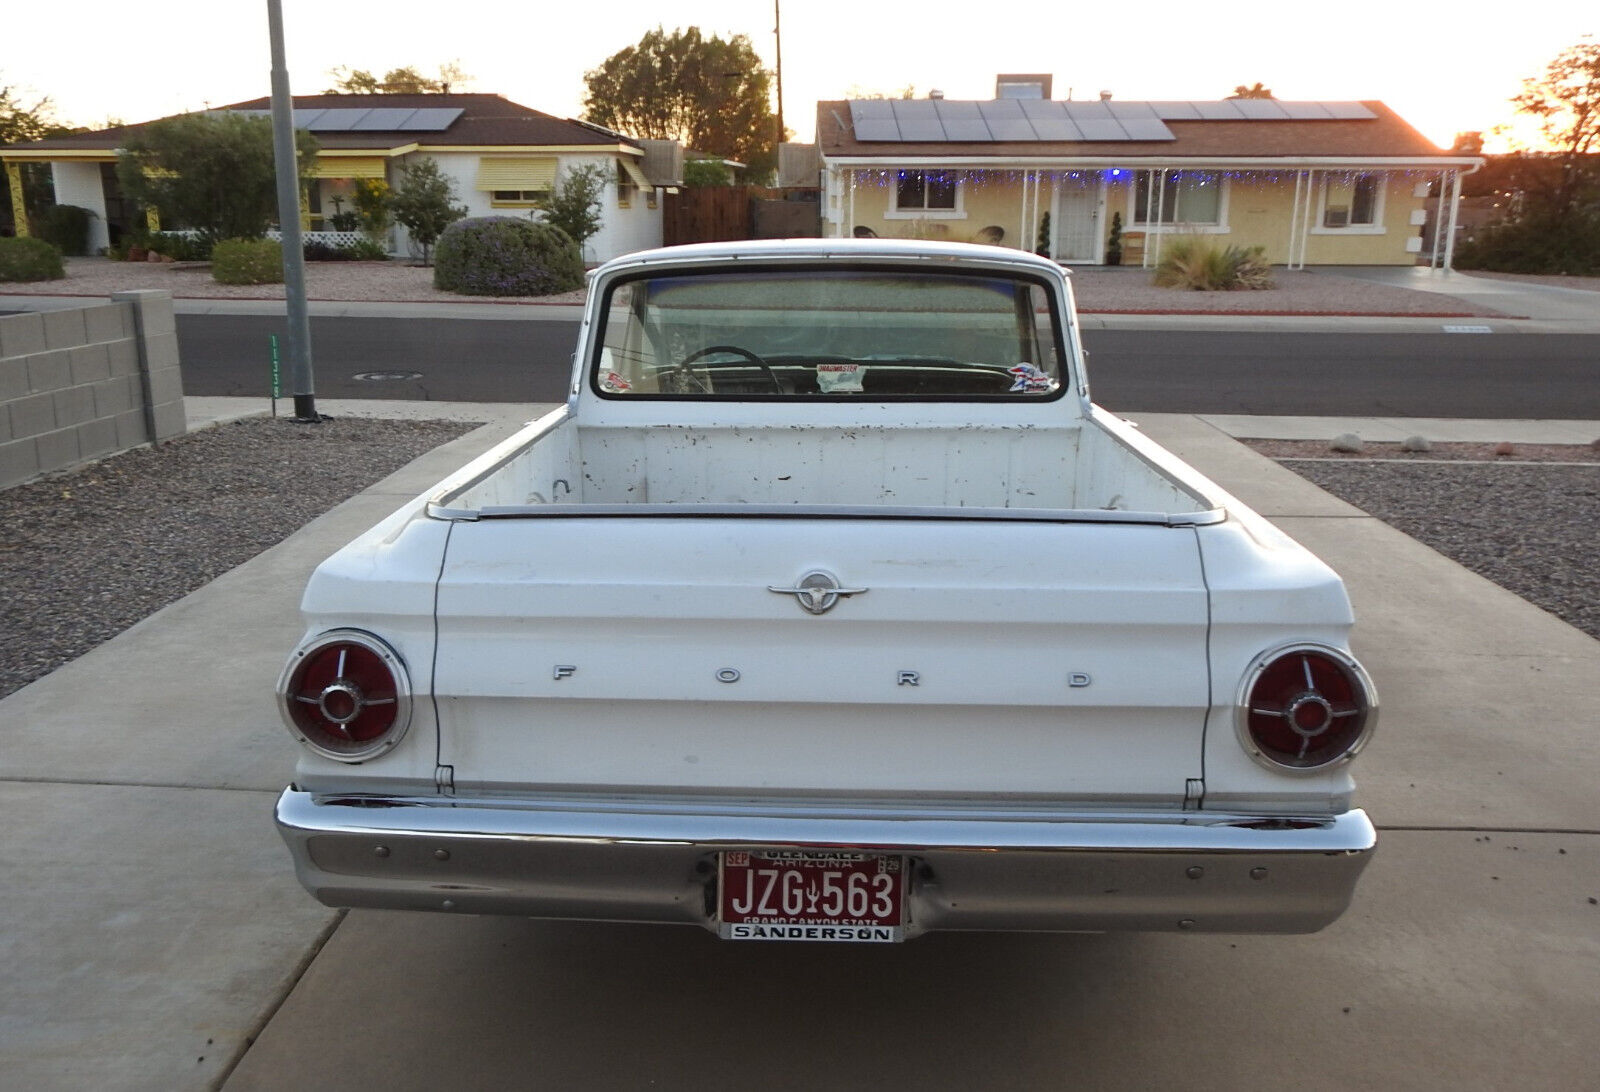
{"x": 331, "y": 238}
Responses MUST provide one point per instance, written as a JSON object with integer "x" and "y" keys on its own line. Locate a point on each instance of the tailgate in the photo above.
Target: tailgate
{"x": 981, "y": 658}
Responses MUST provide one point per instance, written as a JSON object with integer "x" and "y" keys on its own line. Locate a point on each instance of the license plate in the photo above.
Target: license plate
{"x": 811, "y": 895}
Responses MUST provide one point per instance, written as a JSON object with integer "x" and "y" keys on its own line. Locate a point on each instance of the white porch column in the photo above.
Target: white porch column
{"x": 1294, "y": 218}
{"x": 1455, "y": 208}
{"x": 79, "y": 184}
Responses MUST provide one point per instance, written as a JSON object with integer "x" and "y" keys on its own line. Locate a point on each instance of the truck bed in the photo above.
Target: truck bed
{"x": 1098, "y": 464}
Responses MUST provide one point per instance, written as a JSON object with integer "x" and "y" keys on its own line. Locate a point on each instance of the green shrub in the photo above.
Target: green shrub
{"x": 1535, "y": 245}
{"x": 67, "y": 227}
{"x": 247, "y": 261}
{"x": 1114, "y": 243}
{"x": 27, "y": 259}
{"x": 368, "y": 249}
{"x": 1199, "y": 264}
{"x": 503, "y": 256}
{"x": 180, "y": 246}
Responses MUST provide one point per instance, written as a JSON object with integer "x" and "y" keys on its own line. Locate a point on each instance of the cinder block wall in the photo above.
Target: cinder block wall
{"x": 87, "y": 382}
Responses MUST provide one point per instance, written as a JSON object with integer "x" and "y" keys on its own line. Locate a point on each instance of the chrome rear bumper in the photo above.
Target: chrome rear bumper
{"x": 654, "y": 860}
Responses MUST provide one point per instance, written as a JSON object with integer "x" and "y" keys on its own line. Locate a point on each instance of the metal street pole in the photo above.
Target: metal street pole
{"x": 777, "y": 34}
{"x": 298, "y": 339}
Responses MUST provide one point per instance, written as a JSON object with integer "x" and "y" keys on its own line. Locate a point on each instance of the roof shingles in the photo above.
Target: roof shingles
{"x": 486, "y": 120}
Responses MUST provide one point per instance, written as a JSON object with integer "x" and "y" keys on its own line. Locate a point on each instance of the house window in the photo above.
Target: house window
{"x": 926, "y": 191}
{"x": 1352, "y": 201}
{"x": 625, "y": 187}
{"x": 1177, "y": 197}
{"x": 517, "y": 197}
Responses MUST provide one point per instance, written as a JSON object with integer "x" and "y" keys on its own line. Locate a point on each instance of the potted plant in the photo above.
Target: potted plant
{"x": 1114, "y": 243}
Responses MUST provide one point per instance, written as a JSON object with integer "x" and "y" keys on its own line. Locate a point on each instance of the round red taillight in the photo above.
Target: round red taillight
{"x": 346, "y": 695}
{"x": 1307, "y": 707}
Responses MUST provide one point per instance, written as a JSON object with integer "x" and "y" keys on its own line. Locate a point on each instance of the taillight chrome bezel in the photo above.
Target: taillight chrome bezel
{"x": 348, "y": 699}
{"x": 1359, "y": 681}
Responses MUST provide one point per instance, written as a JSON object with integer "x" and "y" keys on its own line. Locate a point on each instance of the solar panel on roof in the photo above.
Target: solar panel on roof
{"x": 383, "y": 119}
{"x": 1147, "y": 129}
{"x": 1091, "y": 111}
{"x": 962, "y": 121}
{"x": 877, "y": 129}
{"x": 871, "y": 108}
{"x": 305, "y": 119}
{"x": 339, "y": 119}
{"x": 1101, "y": 129}
{"x": 917, "y": 120}
{"x": 432, "y": 119}
{"x": 1306, "y": 111}
{"x": 1057, "y": 128}
{"x": 873, "y": 119}
{"x": 1027, "y": 120}
{"x": 1005, "y": 120}
{"x": 1260, "y": 109}
{"x": 1175, "y": 111}
{"x": 1041, "y": 108}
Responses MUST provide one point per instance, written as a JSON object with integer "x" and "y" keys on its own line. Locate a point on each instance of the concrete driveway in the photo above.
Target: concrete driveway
{"x": 155, "y": 938}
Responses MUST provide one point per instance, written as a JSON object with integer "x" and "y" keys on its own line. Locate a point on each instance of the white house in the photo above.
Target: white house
{"x": 501, "y": 157}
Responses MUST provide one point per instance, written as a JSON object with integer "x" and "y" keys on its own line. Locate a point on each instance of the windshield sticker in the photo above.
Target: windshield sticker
{"x": 837, "y": 378}
{"x": 615, "y": 384}
{"x": 1030, "y": 380}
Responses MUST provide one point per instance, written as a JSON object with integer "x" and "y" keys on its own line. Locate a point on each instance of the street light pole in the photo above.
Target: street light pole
{"x": 777, "y": 33}
{"x": 298, "y": 339}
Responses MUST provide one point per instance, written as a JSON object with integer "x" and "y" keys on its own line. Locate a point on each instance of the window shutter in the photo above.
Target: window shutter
{"x": 517, "y": 173}
{"x": 348, "y": 167}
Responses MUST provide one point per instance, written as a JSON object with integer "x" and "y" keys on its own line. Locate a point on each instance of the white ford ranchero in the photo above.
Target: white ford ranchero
{"x": 830, "y": 608}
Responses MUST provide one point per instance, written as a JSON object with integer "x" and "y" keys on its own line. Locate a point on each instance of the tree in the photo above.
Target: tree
{"x": 1551, "y": 196}
{"x": 575, "y": 205}
{"x": 210, "y": 172}
{"x": 422, "y": 202}
{"x": 1566, "y": 101}
{"x": 706, "y": 172}
{"x": 19, "y": 123}
{"x": 712, "y": 95}
{"x": 398, "y": 81}
{"x": 1256, "y": 92}
{"x": 856, "y": 91}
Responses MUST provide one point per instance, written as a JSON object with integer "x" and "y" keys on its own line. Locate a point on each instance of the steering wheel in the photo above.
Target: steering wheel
{"x": 766, "y": 369}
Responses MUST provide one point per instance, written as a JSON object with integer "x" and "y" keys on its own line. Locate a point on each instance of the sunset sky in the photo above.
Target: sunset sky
{"x": 1441, "y": 68}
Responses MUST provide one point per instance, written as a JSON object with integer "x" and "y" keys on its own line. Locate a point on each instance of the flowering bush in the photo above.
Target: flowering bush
{"x": 503, "y": 256}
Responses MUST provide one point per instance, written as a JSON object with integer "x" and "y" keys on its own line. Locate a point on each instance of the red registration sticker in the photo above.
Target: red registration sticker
{"x": 811, "y": 895}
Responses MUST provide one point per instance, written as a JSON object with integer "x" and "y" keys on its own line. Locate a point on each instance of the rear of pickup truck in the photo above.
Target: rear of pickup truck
{"x": 941, "y": 646}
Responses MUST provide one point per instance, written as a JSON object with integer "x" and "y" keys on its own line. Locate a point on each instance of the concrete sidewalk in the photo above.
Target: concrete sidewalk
{"x": 152, "y": 927}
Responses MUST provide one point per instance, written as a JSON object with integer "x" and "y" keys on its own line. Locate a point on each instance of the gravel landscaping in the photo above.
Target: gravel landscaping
{"x": 84, "y": 555}
{"x": 1099, "y": 289}
{"x": 1531, "y": 526}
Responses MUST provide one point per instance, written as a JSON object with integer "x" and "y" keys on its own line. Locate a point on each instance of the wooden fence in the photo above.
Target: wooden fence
{"x": 710, "y": 214}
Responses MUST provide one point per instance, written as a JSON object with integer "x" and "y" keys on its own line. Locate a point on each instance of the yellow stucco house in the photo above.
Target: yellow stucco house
{"x": 1315, "y": 183}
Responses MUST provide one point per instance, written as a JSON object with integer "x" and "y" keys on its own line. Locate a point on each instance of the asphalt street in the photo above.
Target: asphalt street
{"x": 1280, "y": 372}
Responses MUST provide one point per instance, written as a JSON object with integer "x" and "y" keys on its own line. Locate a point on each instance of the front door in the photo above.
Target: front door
{"x": 1077, "y": 218}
